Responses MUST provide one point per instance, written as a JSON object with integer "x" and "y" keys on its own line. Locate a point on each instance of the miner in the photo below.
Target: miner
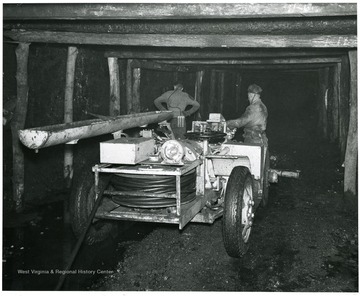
{"x": 254, "y": 119}
{"x": 177, "y": 101}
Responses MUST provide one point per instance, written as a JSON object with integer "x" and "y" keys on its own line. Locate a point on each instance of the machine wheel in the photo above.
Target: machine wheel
{"x": 238, "y": 212}
{"x": 81, "y": 204}
{"x": 266, "y": 184}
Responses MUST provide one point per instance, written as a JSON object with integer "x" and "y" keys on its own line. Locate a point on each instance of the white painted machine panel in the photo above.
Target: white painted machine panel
{"x": 253, "y": 152}
{"x": 126, "y": 150}
{"x": 223, "y": 166}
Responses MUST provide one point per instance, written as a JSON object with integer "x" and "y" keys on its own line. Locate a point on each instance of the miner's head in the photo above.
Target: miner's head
{"x": 178, "y": 86}
{"x": 254, "y": 92}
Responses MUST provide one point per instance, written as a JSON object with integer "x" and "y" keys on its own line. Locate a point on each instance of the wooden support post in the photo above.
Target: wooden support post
{"x": 212, "y": 91}
{"x": 344, "y": 105}
{"x": 129, "y": 86}
{"x": 18, "y": 122}
{"x": 68, "y": 148}
{"x": 237, "y": 92}
{"x": 198, "y": 84}
{"x": 68, "y": 113}
{"x": 323, "y": 86}
{"x": 114, "y": 74}
{"x": 331, "y": 105}
{"x": 221, "y": 91}
{"x": 320, "y": 104}
{"x": 351, "y": 159}
{"x": 136, "y": 90}
{"x": 336, "y": 94}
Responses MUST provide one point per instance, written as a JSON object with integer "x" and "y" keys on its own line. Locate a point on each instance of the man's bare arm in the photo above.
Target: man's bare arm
{"x": 194, "y": 108}
{"x": 159, "y": 102}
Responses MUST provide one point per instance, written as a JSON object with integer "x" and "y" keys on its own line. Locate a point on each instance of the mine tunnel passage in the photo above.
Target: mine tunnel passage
{"x": 290, "y": 97}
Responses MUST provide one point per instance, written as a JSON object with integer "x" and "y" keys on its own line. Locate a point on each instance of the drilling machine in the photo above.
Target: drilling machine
{"x": 156, "y": 178}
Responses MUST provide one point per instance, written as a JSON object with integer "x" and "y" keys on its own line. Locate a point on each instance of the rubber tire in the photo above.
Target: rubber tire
{"x": 81, "y": 204}
{"x": 266, "y": 184}
{"x": 231, "y": 224}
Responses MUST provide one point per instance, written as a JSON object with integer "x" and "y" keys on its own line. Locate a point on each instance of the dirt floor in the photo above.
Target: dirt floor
{"x": 305, "y": 240}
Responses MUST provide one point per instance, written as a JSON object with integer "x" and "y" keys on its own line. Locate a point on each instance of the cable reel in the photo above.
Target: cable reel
{"x": 153, "y": 184}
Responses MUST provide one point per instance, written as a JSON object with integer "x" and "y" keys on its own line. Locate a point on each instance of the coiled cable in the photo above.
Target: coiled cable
{"x": 153, "y": 184}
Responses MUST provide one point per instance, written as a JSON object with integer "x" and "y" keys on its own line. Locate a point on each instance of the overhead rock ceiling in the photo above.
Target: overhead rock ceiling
{"x": 231, "y": 18}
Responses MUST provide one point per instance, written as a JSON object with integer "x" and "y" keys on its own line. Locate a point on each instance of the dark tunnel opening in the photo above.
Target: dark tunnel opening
{"x": 291, "y": 96}
{"x": 292, "y": 101}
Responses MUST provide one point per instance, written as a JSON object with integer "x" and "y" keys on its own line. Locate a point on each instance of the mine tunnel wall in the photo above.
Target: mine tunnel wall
{"x": 291, "y": 96}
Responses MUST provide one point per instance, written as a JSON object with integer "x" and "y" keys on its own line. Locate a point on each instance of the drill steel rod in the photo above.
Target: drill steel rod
{"x": 41, "y": 137}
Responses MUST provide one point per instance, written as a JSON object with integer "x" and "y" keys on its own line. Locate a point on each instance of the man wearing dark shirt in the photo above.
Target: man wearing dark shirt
{"x": 254, "y": 122}
{"x": 254, "y": 119}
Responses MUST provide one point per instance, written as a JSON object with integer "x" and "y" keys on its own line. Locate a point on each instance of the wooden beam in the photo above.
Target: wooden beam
{"x": 68, "y": 112}
{"x": 336, "y": 94}
{"x": 310, "y": 70}
{"x": 69, "y": 84}
{"x": 322, "y": 102}
{"x": 344, "y": 110}
{"x": 255, "y": 68}
{"x": 229, "y": 53}
{"x": 331, "y": 105}
{"x": 181, "y": 40}
{"x": 158, "y": 66}
{"x": 114, "y": 74}
{"x": 173, "y": 11}
{"x": 351, "y": 155}
{"x": 18, "y": 123}
{"x": 278, "y": 61}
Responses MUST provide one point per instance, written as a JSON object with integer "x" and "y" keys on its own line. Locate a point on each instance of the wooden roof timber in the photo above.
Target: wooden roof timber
{"x": 255, "y": 68}
{"x": 272, "y": 70}
{"x": 304, "y": 60}
{"x": 159, "y": 66}
{"x": 195, "y": 65}
{"x": 233, "y": 67}
{"x": 229, "y": 53}
{"x": 181, "y": 40}
{"x": 174, "y": 11}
